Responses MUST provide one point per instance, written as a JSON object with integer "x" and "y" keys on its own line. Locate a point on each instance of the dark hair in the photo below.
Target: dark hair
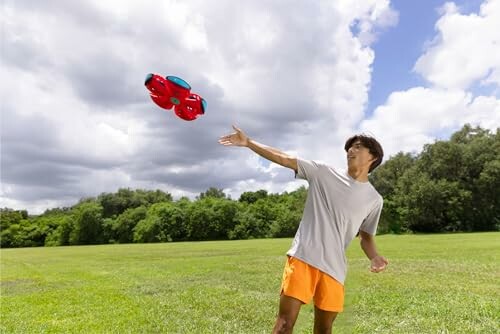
{"x": 371, "y": 144}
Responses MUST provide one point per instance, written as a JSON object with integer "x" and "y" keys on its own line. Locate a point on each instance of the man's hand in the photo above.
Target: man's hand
{"x": 238, "y": 138}
{"x": 378, "y": 264}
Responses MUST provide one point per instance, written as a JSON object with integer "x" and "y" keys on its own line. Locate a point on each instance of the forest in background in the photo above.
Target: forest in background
{"x": 451, "y": 186}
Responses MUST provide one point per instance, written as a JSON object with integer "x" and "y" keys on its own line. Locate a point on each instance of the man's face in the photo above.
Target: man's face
{"x": 359, "y": 156}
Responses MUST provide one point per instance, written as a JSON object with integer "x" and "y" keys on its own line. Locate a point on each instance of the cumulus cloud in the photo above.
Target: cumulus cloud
{"x": 77, "y": 121}
{"x": 420, "y": 115}
{"x": 465, "y": 49}
{"x": 461, "y": 57}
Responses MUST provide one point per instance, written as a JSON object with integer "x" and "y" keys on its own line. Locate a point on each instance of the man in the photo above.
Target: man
{"x": 340, "y": 204}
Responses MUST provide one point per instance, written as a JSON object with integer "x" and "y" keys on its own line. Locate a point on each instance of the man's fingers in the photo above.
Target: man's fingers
{"x": 226, "y": 141}
{"x": 226, "y": 137}
{"x": 378, "y": 269}
{"x": 233, "y": 138}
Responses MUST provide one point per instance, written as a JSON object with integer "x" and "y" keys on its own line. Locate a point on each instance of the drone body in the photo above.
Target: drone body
{"x": 173, "y": 92}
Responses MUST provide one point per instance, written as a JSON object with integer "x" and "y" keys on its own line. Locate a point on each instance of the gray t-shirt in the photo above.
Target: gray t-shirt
{"x": 337, "y": 207}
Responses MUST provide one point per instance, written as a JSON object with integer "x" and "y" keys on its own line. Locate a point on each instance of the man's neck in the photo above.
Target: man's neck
{"x": 360, "y": 175}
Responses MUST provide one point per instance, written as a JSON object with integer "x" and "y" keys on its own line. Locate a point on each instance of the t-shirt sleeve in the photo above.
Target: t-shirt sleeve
{"x": 370, "y": 223}
{"x": 307, "y": 169}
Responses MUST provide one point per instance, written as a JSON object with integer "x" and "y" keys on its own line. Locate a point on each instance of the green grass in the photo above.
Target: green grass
{"x": 434, "y": 284}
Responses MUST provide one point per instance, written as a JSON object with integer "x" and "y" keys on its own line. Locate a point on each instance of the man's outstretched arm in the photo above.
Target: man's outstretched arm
{"x": 239, "y": 138}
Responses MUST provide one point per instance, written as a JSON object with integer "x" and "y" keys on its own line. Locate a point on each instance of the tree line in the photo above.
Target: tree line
{"x": 450, "y": 186}
{"x": 152, "y": 216}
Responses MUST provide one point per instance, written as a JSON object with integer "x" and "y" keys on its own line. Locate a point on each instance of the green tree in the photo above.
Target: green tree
{"x": 451, "y": 185}
{"x": 154, "y": 196}
{"x": 385, "y": 179}
{"x": 252, "y": 196}
{"x": 212, "y": 192}
{"x": 163, "y": 222}
{"x": 488, "y": 185}
{"x": 462, "y": 160}
{"x": 211, "y": 218}
{"x": 123, "y": 226}
{"x": 289, "y": 209}
{"x": 60, "y": 236}
{"x": 114, "y": 204}
{"x": 9, "y": 227}
{"x": 433, "y": 206}
{"x": 255, "y": 220}
{"x": 286, "y": 222}
{"x": 88, "y": 224}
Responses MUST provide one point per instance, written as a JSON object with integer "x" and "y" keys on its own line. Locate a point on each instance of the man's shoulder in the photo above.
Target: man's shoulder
{"x": 318, "y": 164}
{"x": 377, "y": 197}
{"x": 312, "y": 161}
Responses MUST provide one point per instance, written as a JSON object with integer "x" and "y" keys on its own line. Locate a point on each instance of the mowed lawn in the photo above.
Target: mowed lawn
{"x": 434, "y": 284}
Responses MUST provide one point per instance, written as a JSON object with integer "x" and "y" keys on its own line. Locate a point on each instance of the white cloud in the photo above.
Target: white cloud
{"x": 77, "y": 119}
{"x": 466, "y": 48}
{"x": 484, "y": 111}
{"x": 463, "y": 54}
{"x": 412, "y": 118}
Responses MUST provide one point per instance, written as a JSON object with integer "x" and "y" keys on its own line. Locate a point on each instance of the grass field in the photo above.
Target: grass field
{"x": 434, "y": 284}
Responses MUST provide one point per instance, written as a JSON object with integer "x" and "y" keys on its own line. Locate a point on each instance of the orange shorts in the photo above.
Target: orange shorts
{"x": 303, "y": 282}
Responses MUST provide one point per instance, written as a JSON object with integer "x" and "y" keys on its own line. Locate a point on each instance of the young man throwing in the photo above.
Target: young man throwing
{"x": 339, "y": 205}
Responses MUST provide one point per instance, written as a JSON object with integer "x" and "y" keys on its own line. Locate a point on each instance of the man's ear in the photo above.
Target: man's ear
{"x": 372, "y": 160}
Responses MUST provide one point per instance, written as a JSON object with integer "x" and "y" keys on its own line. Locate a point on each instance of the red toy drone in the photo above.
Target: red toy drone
{"x": 173, "y": 91}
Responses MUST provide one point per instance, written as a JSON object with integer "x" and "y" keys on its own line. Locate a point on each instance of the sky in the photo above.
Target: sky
{"x": 301, "y": 76}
